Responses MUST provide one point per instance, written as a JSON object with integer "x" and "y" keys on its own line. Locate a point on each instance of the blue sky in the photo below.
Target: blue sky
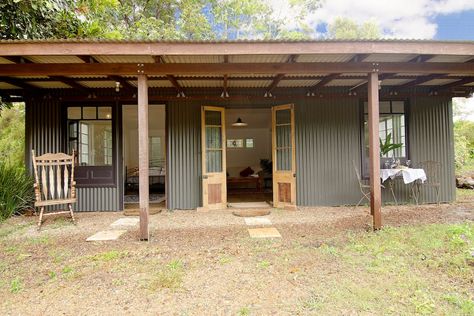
{"x": 457, "y": 26}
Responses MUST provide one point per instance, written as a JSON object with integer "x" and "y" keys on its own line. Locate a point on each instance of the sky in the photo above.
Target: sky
{"x": 404, "y": 19}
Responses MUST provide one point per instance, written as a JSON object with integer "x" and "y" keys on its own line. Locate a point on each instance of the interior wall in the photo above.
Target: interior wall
{"x": 156, "y": 127}
{"x": 258, "y": 128}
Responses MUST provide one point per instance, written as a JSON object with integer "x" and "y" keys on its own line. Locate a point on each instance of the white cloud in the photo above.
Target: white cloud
{"x": 398, "y": 18}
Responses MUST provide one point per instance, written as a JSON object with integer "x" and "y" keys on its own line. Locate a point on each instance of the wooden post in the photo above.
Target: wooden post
{"x": 374, "y": 150}
{"x": 143, "y": 155}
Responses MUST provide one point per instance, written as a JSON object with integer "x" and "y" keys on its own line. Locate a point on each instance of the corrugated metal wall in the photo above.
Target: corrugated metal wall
{"x": 431, "y": 138}
{"x": 184, "y": 155}
{"x": 327, "y": 141}
{"x": 45, "y": 133}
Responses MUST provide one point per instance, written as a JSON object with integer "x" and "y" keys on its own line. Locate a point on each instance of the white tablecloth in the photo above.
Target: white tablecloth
{"x": 409, "y": 174}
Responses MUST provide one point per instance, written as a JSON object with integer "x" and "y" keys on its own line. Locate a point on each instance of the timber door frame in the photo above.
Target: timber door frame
{"x": 213, "y": 178}
{"x": 283, "y": 178}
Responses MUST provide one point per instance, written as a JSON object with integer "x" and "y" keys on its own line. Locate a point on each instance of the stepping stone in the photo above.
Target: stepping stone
{"x": 106, "y": 235}
{"x": 251, "y": 212}
{"x": 270, "y": 232}
{"x": 255, "y": 221}
{"x": 126, "y": 221}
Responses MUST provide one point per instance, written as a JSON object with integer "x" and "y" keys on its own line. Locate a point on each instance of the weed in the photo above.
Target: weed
{"x": 108, "y": 255}
{"x": 466, "y": 305}
{"x": 43, "y": 240}
{"x": 7, "y": 230}
{"x": 67, "y": 269}
{"x": 15, "y": 286}
{"x": 244, "y": 311}
{"x": 171, "y": 276}
{"x": 264, "y": 264}
{"x": 225, "y": 259}
{"x": 52, "y": 275}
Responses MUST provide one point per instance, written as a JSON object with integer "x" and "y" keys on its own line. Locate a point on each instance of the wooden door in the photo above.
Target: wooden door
{"x": 283, "y": 154}
{"x": 214, "y": 180}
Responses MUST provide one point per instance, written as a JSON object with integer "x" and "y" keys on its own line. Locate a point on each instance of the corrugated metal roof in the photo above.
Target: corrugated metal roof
{"x": 86, "y": 76}
{"x": 193, "y": 59}
{"x": 55, "y": 59}
{"x": 449, "y": 59}
{"x": 31, "y": 77}
{"x": 125, "y": 59}
{"x": 470, "y": 84}
{"x": 250, "y": 75}
{"x": 306, "y": 75}
{"x": 155, "y": 83}
{"x": 324, "y": 58}
{"x": 201, "y": 83}
{"x": 5, "y": 85}
{"x": 249, "y": 83}
{"x": 49, "y": 84}
{"x": 297, "y": 83}
{"x": 97, "y": 84}
{"x": 258, "y": 58}
{"x": 389, "y": 58}
{"x": 395, "y": 82}
{"x": 5, "y": 61}
{"x": 438, "y": 82}
{"x": 344, "y": 82}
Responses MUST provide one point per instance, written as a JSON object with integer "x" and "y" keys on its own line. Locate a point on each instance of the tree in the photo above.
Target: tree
{"x": 345, "y": 28}
{"x": 12, "y": 134}
{"x": 36, "y": 19}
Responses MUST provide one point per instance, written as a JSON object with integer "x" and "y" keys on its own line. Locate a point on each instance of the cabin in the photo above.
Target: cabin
{"x": 196, "y": 125}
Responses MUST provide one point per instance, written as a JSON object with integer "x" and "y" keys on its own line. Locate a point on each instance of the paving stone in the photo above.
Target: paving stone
{"x": 126, "y": 221}
{"x": 268, "y": 232}
{"x": 107, "y": 235}
{"x": 255, "y": 221}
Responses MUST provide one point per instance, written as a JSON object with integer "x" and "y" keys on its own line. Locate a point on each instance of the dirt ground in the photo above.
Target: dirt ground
{"x": 194, "y": 264}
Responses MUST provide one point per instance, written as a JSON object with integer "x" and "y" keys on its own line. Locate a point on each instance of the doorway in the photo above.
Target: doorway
{"x": 249, "y": 156}
{"x": 157, "y": 154}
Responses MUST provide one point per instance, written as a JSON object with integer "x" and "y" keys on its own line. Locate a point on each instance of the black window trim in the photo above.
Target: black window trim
{"x": 406, "y": 108}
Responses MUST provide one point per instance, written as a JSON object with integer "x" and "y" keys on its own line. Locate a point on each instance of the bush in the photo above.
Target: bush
{"x": 16, "y": 190}
{"x": 461, "y": 149}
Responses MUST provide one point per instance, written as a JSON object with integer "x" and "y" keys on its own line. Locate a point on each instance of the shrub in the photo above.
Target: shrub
{"x": 16, "y": 190}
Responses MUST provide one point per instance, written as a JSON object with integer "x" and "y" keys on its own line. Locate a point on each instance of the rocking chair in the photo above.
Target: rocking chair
{"x": 54, "y": 183}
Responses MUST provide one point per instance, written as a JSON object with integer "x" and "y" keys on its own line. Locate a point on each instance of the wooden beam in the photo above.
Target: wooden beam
{"x": 325, "y": 81}
{"x": 88, "y": 59}
{"x": 276, "y": 80}
{"x": 175, "y": 83}
{"x": 421, "y": 58}
{"x": 17, "y": 59}
{"x": 230, "y": 68}
{"x": 458, "y": 83}
{"x": 358, "y": 58}
{"x": 18, "y": 48}
{"x": 419, "y": 80}
{"x": 374, "y": 150}
{"x": 143, "y": 158}
{"x": 225, "y": 84}
{"x": 122, "y": 81}
{"x": 70, "y": 82}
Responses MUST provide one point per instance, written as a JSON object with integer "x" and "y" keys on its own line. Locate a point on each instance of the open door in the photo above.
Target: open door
{"x": 283, "y": 152}
{"x": 214, "y": 180}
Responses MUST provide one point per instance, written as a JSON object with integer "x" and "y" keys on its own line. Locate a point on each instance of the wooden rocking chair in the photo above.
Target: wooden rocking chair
{"x": 54, "y": 183}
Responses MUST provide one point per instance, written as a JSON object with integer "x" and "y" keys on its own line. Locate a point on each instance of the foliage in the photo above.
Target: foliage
{"x": 388, "y": 146}
{"x": 12, "y": 134}
{"x": 16, "y": 190}
{"x": 34, "y": 19}
{"x": 461, "y": 149}
{"x": 345, "y": 28}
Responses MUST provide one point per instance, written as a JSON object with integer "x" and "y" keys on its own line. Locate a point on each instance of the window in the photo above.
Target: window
{"x": 249, "y": 143}
{"x": 392, "y": 121}
{"x": 90, "y": 135}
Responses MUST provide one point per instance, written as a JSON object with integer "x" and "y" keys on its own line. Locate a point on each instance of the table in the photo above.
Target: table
{"x": 409, "y": 175}
{"x": 239, "y": 180}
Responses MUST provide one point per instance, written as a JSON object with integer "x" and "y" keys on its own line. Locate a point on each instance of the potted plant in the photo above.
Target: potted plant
{"x": 386, "y": 147}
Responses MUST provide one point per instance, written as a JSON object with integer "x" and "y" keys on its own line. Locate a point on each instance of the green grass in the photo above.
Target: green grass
{"x": 170, "y": 276}
{"x": 15, "y": 286}
{"x": 108, "y": 256}
{"x": 464, "y": 195}
{"x": 244, "y": 311}
{"x": 415, "y": 269}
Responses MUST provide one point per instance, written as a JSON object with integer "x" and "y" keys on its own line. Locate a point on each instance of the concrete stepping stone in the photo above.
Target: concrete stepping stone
{"x": 256, "y": 221}
{"x": 126, "y": 221}
{"x": 267, "y": 232}
{"x": 107, "y": 235}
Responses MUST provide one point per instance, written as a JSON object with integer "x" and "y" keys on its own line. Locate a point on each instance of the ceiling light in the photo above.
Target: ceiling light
{"x": 117, "y": 86}
{"x": 239, "y": 122}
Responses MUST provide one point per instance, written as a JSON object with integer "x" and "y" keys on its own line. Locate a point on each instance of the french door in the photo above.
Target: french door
{"x": 214, "y": 180}
{"x": 283, "y": 154}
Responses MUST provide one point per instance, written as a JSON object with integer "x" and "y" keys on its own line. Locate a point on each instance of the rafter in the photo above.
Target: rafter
{"x": 88, "y": 59}
{"x": 419, "y": 81}
{"x": 17, "y": 82}
{"x": 70, "y": 82}
{"x": 324, "y": 81}
{"x": 358, "y": 58}
{"x": 175, "y": 84}
{"x": 420, "y": 58}
{"x": 291, "y": 59}
{"x": 458, "y": 83}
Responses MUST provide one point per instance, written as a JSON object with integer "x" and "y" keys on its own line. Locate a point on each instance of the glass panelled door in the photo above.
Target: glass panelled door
{"x": 214, "y": 190}
{"x": 283, "y": 148}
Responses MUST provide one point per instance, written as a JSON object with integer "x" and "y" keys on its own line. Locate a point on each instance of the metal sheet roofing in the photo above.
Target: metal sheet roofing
{"x": 297, "y": 83}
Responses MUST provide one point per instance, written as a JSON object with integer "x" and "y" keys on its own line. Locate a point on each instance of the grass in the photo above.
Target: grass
{"x": 414, "y": 269}
{"x": 15, "y": 286}
{"x": 170, "y": 276}
{"x": 108, "y": 256}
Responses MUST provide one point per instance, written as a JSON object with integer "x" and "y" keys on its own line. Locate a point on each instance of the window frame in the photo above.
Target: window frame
{"x": 93, "y": 176}
{"x": 406, "y": 108}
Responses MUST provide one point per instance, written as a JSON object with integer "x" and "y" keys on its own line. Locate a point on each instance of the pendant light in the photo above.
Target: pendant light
{"x": 239, "y": 123}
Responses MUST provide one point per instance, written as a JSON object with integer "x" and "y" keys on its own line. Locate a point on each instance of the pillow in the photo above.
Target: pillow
{"x": 246, "y": 172}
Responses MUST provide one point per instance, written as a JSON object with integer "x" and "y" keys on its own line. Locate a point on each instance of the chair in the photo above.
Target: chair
{"x": 54, "y": 183}
{"x": 433, "y": 171}
{"x": 364, "y": 188}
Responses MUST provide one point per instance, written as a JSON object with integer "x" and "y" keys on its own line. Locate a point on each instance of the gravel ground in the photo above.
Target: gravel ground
{"x": 213, "y": 266}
